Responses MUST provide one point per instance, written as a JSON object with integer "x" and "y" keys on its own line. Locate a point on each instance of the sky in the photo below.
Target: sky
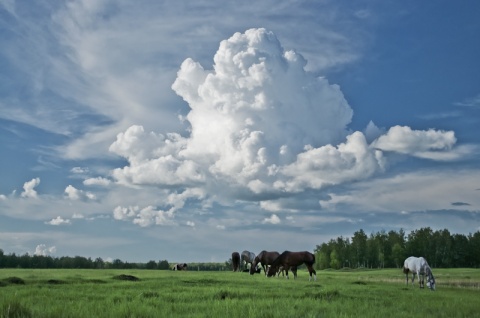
{"x": 187, "y": 130}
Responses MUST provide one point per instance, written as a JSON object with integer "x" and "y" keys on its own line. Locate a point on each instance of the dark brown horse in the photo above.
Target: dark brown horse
{"x": 236, "y": 261}
{"x": 293, "y": 259}
{"x": 265, "y": 258}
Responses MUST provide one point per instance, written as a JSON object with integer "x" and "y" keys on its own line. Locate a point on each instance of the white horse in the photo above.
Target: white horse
{"x": 419, "y": 266}
{"x": 247, "y": 258}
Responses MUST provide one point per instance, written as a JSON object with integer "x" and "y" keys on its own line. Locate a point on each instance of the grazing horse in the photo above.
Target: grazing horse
{"x": 265, "y": 258}
{"x": 180, "y": 267}
{"x": 419, "y": 266}
{"x": 236, "y": 261}
{"x": 248, "y": 258}
{"x": 291, "y": 260}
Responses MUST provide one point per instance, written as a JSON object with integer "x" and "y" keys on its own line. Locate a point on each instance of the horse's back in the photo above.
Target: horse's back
{"x": 414, "y": 264}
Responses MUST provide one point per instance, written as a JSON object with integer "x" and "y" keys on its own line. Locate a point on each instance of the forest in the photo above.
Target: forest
{"x": 377, "y": 250}
{"x": 389, "y": 249}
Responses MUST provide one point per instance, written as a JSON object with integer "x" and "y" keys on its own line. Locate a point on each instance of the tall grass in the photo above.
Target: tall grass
{"x": 106, "y": 293}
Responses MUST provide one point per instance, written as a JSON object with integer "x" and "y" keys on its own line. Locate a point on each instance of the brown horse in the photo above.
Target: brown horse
{"x": 265, "y": 258}
{"x": 293, "y": 259}
{"x": 236, "y": 261}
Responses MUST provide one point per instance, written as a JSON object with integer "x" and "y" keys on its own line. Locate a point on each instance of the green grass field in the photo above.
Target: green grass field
{"x": 355, "y": 293}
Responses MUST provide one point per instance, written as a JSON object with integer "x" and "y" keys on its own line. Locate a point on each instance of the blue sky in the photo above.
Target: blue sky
{"x": 148, "y": 130}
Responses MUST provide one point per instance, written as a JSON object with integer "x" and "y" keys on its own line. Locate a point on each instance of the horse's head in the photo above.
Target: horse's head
{"x": 430, "y": 279}
{"x": 272, "y": 271}
{"x": 253, "y": 266}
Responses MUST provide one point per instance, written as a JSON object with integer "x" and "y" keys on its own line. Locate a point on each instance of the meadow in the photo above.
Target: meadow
{"x": 158, "y": 293}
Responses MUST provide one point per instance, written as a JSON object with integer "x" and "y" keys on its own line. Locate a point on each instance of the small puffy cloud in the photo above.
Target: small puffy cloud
{"x": 273, "y": 219}
{"x": 99, "y": 181}
{"x": 3, "y": 197}
{"x": 29, "y": 188}
{"x": 419, "y": 143}
{"x": 43, "y": 250}
{"x": 79, "y": 170}
{"x": 78, "y": 216}
{"x": 220, "y": 227}
{"x": 144, "y": 216}
{"x": 58, "y": 221}
{"x": 76, "y": 194}
{"x": 190, "y": 223}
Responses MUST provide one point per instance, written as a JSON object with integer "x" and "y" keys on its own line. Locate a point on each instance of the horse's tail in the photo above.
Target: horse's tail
{"x": 405, "y": 270}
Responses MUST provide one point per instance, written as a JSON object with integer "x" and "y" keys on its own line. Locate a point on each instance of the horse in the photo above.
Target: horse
{"x": 180, "y": 267}
{"x": 293, "y": 259}
{"x": 247, "y": 258}
{"x": 236, "y": 261}
{"x": 265, "y": 258}
{"x": 419, "y": 266}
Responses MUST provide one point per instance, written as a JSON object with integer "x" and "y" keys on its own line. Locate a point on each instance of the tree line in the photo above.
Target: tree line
{"x": 389, "y": 250}
{"x": 40, "y": 261}
{"x": 379, "y": 250}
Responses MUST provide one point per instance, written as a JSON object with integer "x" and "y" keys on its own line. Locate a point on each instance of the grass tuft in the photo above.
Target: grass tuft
{"x": 150, "y": 295}
{"x": 14, "y": 309}
{"x": 359, "y": 282}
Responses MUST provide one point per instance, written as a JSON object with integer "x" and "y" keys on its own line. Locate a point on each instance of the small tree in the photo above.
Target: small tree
{"x": 163, "y": 265}
{"x": 151, "y": 265}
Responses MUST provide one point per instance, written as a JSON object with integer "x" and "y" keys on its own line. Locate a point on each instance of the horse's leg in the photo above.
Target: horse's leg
{"x": 312, "y": 271}
{"x": 286, "y": 271}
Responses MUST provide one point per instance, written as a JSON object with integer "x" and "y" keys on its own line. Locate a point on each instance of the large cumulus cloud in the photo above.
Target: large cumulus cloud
{"x": 261, "y": 124}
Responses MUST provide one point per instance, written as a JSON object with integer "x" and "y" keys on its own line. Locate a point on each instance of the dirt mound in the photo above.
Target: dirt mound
{"x": 126, "y": 277}
{"x": 14, "y": 280}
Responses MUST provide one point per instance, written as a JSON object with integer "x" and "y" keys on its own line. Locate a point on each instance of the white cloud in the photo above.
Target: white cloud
{"x": 255, "y": 111}
{"x": 420, "y": 143}
{"x": 329, "y": 165}
{"x": 273, "y": 219}
{"x": 76, "y": 194}
{"x": 79, "y": 170}
{"x": 58, "y": 221}
{"x": 260, "y": 125}
{"x": 190, "y": 223}
{"x": 99, "y": 181}
{"x": 29, "y": 188}
{"x": 43, "y": 250}
{"x": 144, "y": 216}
